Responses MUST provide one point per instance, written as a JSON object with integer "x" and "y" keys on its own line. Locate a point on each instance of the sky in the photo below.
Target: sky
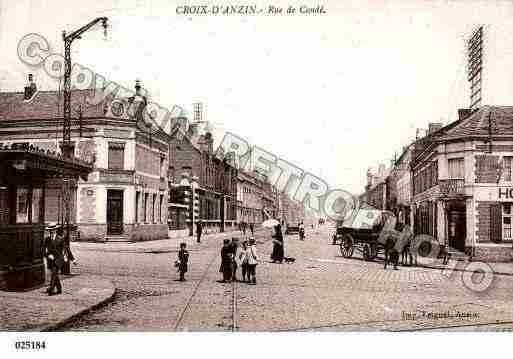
{"x": 334, "y": 94}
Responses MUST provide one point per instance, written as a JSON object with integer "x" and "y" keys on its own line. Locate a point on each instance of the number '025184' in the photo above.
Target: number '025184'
{"x": 30, "y": 345}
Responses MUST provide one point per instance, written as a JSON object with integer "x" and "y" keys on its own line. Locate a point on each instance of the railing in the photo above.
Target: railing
{"x": 452, "y": 186}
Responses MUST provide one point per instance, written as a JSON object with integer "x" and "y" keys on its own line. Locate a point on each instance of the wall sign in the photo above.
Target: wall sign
{"x": 505, "y": 193}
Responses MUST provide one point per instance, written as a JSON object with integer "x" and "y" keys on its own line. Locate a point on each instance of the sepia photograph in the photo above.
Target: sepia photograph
{"x": 213, "y": 172}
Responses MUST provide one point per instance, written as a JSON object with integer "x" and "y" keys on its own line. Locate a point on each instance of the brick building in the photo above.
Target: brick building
{"x": 463, "y": 184}
{"x": 125, "y": 196}
{"x": 192, "y": 155}
{"x": 376, "y": 188}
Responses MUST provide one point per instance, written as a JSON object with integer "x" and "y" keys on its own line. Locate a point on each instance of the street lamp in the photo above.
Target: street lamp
{"x": 67, "y": 149}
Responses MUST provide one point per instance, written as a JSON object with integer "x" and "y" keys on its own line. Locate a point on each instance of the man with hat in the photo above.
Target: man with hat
{"x": 54, "y": 247}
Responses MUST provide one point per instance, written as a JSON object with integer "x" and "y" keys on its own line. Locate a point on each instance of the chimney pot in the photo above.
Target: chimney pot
{"x": 434, "y": 126}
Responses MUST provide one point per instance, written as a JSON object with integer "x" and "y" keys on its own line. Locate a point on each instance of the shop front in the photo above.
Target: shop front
{"x": 24, "y": 172}
{"x": 494, "y": 217}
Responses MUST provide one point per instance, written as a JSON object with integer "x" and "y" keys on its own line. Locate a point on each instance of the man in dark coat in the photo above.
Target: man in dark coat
{"x": 235, "y": 256}
{"x": 252, "y": 228}
{"x": 183, "y": 260}
{"x": 226, "y": 261}
{"x": 199, "y": 231}
{"x": 54, "y": 251}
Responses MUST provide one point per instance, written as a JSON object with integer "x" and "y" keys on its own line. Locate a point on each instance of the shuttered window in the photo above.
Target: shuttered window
{"x": 507, "y": 169}
{"x": 507, "y": 219}
{"x": 116, "y": 156}
{"x": 496, "y": 222}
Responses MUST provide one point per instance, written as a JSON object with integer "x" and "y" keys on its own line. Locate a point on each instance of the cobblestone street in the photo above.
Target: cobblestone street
{"x": 319, "y": 291}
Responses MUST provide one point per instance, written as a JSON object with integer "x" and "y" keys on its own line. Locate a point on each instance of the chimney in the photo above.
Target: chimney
{"x": 463, "y": 113}
{"x": 433, "y": 127}
{"x": 137, "y": 88}
{"x": 30, "y": 88}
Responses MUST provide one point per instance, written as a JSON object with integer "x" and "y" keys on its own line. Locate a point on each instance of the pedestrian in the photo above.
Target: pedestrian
{"x": 252, "y": 228}
{"x": 301, "y": 230}
{"x": 199, "y": 231}
{"x": 235, "y": 257}
{"x": 183, "y": 260}
{"x": 278, "y": 247}
{"x": 226, "y": 261}
{"x": 68, "y": 255}
{"x": 243, "y": 228}
{"x": 252, "y": 261}
{"x": 391, "y": 253}
{"x": 243, "y": 259}
{"x": 54, "y": 251}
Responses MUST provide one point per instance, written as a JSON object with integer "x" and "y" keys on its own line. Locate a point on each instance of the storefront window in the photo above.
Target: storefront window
{"x": 22, "y": 205}
{"x": 37, "y": 198}
{"x": 506, "y": 221}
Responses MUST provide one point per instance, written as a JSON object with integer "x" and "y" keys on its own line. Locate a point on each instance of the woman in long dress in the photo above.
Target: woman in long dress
{"x": 278, "y": 249}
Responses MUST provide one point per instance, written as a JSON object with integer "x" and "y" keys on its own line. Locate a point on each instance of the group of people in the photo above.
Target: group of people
{"x": 57, "y": 252}
{"x": 233, "y": 256}
{"x": 243, "y": 226}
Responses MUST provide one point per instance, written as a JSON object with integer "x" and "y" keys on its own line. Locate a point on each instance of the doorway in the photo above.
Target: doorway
{"x": 114, "y": 212}
{"x": 457, "y": 226}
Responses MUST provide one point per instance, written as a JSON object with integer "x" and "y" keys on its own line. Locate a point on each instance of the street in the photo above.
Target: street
{"x": 321, "y": 290}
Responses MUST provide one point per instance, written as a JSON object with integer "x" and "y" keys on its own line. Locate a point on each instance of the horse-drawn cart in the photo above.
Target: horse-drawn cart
{"x": 361, "y": 233}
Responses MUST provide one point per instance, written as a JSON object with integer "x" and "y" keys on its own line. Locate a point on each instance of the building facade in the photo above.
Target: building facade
{"x": 125, "y": 195}
{"x": 462, "y": 181}
{"x": 214, "y": 199}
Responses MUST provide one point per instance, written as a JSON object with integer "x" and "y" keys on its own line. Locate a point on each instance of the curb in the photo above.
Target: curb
{"x": 456, "y": 269}
{"x": 64, "y": 322}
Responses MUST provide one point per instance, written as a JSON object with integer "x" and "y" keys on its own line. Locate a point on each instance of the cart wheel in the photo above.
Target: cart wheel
{"x": 346, "y": 246}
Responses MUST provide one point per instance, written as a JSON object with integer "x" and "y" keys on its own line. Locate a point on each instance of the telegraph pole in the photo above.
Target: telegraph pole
{"x": 67, "y": 149}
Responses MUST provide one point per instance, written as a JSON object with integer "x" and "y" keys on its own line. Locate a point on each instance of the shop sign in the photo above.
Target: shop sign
{"x": 506, "y": 193}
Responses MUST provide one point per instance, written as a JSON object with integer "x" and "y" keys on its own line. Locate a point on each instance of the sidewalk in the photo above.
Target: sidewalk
{"x": 161, "y": 245}
{"x": 34, "y": 310}
{"x": 499, "y": 268}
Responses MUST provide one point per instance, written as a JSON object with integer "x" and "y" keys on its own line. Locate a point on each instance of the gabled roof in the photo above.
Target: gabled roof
{"x": 47, "y": 105}
{"x": 477, "y": 124}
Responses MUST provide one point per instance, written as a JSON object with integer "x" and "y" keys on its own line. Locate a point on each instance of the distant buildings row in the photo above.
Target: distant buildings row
{"x": 455, "y": 183}
{"x": 143, "y": 184}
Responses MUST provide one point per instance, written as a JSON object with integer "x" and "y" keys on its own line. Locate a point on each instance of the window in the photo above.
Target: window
{"x": 456, "y": 168}
{"x": 37, "y": 198}
{"x": 506, "y": 174}
{"x": 145, "y": 207}
{"x": 137, "y": 200}
{"x": 116, "y": 156}
{"x": 162, "y": 167}
{"x": 153, "y": 209}
{"x": 160, "y": 207}
{"x": 506, "y": 221}
{"x": 22, "y": 205}
{"x": 4, "y": 205}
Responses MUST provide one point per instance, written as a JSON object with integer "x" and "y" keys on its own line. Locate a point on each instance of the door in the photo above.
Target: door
{"x": 457, "y": 228}
{"x": 114, "y": 212}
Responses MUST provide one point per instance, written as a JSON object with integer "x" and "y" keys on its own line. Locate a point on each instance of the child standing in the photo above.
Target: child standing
{"x": 183, "y": 259}
{"x": 243, "y": 258}
{"x": 252, "y": 261}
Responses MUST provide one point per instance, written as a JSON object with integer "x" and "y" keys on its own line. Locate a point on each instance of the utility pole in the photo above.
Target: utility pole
{"x": 67, "y": 148}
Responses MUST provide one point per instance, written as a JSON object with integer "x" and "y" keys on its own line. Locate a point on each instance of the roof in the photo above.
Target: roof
{"x": 29, "y": 158}
{"x": 477, "y": 124}
{"x": 48, "y": 105}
